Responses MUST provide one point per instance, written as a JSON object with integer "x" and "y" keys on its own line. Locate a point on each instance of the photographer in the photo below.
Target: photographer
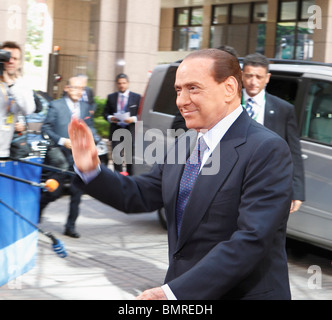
{"x": 15, "y": 96}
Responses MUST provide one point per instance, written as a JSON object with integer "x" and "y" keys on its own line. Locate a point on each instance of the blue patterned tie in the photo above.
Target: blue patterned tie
{"x": 190, "y": 173}
{"x": 122, "y": 102}
{"x": 249, "y": 107}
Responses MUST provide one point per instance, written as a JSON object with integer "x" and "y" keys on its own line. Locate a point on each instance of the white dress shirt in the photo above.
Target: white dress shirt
{"x": 74, "y": 108}
{"x": 258, "y": 105}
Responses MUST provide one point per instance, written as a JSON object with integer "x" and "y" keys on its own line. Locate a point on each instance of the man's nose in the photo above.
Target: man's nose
{"x": 183, "y": 98}
{"x": 254, "y": 80}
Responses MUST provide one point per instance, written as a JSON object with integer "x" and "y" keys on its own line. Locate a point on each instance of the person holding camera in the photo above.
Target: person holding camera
{"x": 15, "y": 97}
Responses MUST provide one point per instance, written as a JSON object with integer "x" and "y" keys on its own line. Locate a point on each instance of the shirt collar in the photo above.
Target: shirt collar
{"x": 258, "y": 99}
{"x": 214, "y": 135}
{"x": 126, "y": 93}
{"x": 71, "y": 104}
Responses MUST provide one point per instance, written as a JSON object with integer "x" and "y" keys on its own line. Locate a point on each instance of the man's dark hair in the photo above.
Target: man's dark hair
{"x": 225, "y": 65}
{"x": 122, "y": 76}
{"x": 256, "y": 60}
{"x": 228, "y": 49}
{"x": 10, "y": 45}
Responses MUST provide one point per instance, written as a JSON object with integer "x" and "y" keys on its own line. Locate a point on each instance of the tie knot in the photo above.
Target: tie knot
{"x": 249, "y": 107}
{"x": 196, "y": 156}
{"x": 202, "y": 146}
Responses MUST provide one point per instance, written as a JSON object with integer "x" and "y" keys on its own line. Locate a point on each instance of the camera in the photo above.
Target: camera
{"x": 4, "y": 57}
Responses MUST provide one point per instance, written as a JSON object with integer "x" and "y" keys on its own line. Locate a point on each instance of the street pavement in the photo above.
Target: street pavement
{"x": 117, "y": 257}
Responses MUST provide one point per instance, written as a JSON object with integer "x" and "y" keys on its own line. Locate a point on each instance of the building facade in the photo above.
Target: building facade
{"x": 284, "y": 29}
{"x": 132, "y": 36}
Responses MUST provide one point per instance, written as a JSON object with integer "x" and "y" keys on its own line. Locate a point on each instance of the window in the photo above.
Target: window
{"x": 318, "y": 112}
{"x": 187, "y": 34}
{"x": 220, "y": 14}
{"x": 288, "y": 10}
{"x": 241, "y": 13}
{"x": 182, "y": 17}
{"x": 196, "y": 17}
{"x": 294, "y": 37}
{"x": 283, "y": 87}
{"x": 260, "y": 12}
{"x": 166, "y": 100}
{"x": 241, "y": 26}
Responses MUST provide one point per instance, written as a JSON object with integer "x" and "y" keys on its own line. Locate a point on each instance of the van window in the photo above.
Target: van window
{"x": 284, "y": 88}
{"x": 166, "y": 100}
{"x": 318, "y": 112}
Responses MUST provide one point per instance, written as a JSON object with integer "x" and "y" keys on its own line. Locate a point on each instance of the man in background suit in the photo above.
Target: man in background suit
{"x": 87, "y": 93}
{"x": 228, "y": 241}
{"x": 56, "y": 127}
{"x": 122, "y": 101}
{"x": 274, "y": 113}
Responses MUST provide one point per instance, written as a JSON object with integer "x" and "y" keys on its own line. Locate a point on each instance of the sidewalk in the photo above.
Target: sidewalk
{"x": 116, "y": 258}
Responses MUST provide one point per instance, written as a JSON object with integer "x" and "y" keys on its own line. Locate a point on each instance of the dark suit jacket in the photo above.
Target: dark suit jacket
{"x": 280, "y": 117}
{"x": 58, "y": 119}
{"x": 111, "y": 108}
{"x": 232, "y": 240}
{"x": 90, "y": 95}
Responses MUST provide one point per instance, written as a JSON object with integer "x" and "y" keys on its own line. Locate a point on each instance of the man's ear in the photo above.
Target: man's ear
{"x": 231, "y": 88}
{"x": 268, "y": 76}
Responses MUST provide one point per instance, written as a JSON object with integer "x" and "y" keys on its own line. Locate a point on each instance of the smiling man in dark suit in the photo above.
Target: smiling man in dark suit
{"x": 227, "y": 229}
{"x": 127, "y": 102}
{"x": 274, "y": 113}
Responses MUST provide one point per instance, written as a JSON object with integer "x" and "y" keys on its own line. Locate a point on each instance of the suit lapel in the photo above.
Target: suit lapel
{"x": 175, "y": 174}
{"x": 130, "y": 103}
{"x": 270, "y": 112}
{"x": 115, "y": 103}
{"x": 207, "y": 186}
{"x": 67, "y": 109}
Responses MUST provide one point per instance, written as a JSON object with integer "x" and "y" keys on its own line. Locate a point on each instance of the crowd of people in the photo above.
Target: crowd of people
{"x": 18, "y": 100}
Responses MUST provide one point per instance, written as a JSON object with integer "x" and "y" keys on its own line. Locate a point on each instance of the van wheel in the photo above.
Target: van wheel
{"x": 162, "y": 218}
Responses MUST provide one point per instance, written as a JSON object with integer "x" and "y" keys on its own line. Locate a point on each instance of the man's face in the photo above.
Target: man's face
{"x": 74, "y": 89}
{"x": 122, "y": 84}
{"x": 255, "y": 79}
{"x": 200, "y": 99}
{"x": 14, "y": 64}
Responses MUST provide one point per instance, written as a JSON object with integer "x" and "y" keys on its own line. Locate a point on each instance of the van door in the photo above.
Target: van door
{"x": 313, "y": 222}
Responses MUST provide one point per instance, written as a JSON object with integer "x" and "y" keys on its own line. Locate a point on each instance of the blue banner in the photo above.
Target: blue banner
{"x": 18, "y": 239}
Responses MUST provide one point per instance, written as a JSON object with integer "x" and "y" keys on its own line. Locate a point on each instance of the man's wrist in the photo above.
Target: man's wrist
{"x": 87, "y": 176}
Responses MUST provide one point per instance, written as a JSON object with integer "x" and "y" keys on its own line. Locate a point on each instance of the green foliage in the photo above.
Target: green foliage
{"x": 100, "y": 102}
{"x": 101, "y": 125}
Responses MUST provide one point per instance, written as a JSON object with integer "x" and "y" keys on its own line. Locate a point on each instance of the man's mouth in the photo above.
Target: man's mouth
{"x": 188, "y": 113}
